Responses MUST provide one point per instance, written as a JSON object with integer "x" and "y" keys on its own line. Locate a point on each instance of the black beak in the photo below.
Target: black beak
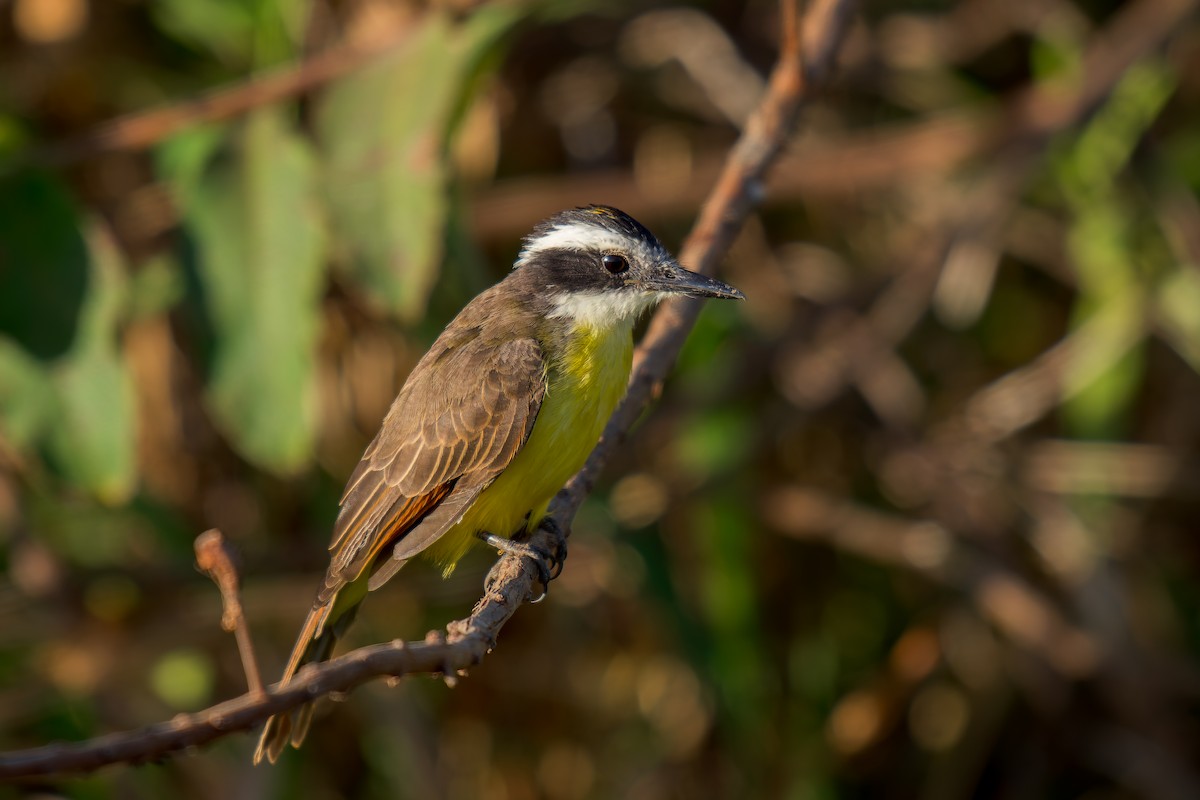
{"x": 670, "y": 278}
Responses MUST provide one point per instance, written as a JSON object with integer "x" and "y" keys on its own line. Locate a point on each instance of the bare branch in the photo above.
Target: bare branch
{"x": 446, "y": 653}
{"x": 215, "y": 558}
{"x": 143, "y": 129}
{"x": 738, "y": 189}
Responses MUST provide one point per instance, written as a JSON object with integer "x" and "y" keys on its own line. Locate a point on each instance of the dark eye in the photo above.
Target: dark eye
{"x": 614, "y": 263}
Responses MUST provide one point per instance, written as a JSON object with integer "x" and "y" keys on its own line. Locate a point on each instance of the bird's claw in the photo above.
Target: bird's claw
{"x": 559, "y": 557}
{"x": 548, "y": 565}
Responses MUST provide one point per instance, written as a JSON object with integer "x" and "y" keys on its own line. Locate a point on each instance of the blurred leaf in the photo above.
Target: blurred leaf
{"x": 26, "y": 396}
{"x": 1105, "y": 373}
{"x": 155, "y": 287}
{"x": 261, "y": 252}
{"x": 384, "y": 131}
{"x": 43, "y": 264}
{"x": 1102, "y": 378}
{"x": 1179, "y": 310}
{"x": 1108, "y": 141}
{"x": 54, "y": 295}
{"x": 222, "y": 27}
{"x": 13, "y": 135}
{"x": 94, "y": 437}
{"x": 1181, "y": 151}
{"x": 183, "y": 678}
{"x": 185, "y": 158}
{"x": 131, "y": 536}
{"x": 238, "y": 32}
{"x": 93, "y": 440}
{"x": 729, "y": 602}
{"x": 1056, "y": 53}
{"x": 709, "y": 358}
{"x": 714, "y": 442}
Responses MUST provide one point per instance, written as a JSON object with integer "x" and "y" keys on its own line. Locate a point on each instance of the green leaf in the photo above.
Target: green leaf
{"x": 62, "y": 299}
{"x": 1179, "y": 311}
{"x": 384, "y": 133}
{"x": 238, "y": 32}
{"x": 93, "y": 441}
{"x": 1105, "y": 371}
{"x": 222, "y": 27}
{"x": 260, "y": 242}
{"x": 43, "y": 264}
{"x": 1108, "y": 142}
{"x": 156, "y": 287}
{"x": 94, "y": 438}
{"x": 1056, "y": 53}
{"x": 1108, "y": 321}
{"x": 26, "y": 396}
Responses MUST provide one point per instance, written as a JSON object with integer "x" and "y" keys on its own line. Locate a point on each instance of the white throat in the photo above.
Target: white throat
{"x": 602, "y": 309}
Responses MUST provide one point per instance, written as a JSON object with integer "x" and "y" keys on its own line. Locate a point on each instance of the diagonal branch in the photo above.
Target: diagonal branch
{"x": 804, "y": 63}
{"x": 801, "y": 68}
{"x": 464, "y": 643}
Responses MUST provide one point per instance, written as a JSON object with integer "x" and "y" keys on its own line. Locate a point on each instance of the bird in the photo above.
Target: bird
{"x": 504, "y": 407}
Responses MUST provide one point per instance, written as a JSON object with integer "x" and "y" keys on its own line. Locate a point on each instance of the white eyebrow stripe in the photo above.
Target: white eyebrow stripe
{"x": 583, "y": 236}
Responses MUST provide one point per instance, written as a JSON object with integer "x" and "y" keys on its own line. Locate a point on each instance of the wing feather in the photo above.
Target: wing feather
{"x": 458, "y": 422}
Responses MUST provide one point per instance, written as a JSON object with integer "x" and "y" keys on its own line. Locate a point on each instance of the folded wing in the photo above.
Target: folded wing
{"x": 460, "y": 419}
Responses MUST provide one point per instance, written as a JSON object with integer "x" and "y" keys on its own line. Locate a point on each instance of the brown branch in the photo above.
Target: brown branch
{"x": 1135, "y": 30}
{"x": 465, "y": 642}
{"x": 738, "y": 189}
{"x": 1026, "y": 394}
{"x": 854, "y": 162}
{"x": 142, "y": 129}
{"x": 849, "y": 164}
{"x": 1023, "y": 396}
{"x": 1025, "y": 614}
{"x": 215, "y": 558}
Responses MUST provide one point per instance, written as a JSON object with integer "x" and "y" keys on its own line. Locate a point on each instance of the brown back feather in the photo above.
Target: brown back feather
{"x": 462, "y": 416}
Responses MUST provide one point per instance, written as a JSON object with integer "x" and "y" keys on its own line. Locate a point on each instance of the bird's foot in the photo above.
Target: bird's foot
{"x": 559, "y": 557}
{"x": 548, "y": 565}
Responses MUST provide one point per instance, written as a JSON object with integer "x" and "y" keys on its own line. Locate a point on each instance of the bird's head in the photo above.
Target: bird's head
{"x": 599, "y": 266}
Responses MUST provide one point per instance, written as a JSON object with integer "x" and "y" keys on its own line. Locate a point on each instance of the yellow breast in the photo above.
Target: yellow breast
{"x": 584, "y": 383}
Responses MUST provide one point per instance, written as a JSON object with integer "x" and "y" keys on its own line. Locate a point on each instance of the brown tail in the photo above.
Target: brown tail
{"x": 309, "y": 648}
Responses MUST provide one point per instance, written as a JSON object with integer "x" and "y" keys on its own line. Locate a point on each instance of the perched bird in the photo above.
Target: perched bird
{"x": 493, "y": 420}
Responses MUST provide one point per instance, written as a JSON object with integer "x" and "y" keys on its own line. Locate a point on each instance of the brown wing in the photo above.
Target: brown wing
{"x": 462, "y": 416}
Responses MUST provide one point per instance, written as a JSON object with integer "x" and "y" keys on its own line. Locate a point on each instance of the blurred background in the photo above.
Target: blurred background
{"x": 916, "y": 520}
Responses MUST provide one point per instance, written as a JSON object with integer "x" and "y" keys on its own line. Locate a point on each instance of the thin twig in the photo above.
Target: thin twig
{"x": 215, "y": 558}
{"x": 142, "y": 129}
{"x": 467, "y": 641}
